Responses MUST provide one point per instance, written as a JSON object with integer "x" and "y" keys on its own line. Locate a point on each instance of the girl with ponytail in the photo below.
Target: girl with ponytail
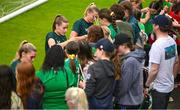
{"x": 72, "y": 49}
{"x": 106, "y": 19}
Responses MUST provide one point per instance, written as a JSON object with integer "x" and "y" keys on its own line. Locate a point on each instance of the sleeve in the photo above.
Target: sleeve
{"x": 76, "y": 27}
{"x": 48, "y": 36}
{"x": 90, "y": 82}
{"x": 155, "y": 54}
{"x": 127, "y": 80}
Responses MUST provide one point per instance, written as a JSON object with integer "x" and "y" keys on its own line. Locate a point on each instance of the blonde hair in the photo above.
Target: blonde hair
{"x": 78, "y": 97}
{"x": 90, "y": 8}
{"x": 26, "y": 47}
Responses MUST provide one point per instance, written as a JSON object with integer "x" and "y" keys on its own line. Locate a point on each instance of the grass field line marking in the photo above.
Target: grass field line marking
{"x": 22, "y": 10}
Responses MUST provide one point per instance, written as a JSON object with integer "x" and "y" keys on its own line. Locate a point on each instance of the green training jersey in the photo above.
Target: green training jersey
{"x": 57, "y": 38}
{"x": 56, "y": 83}
{"x": 81, "y": 27}
{"x": 113, "y": 32}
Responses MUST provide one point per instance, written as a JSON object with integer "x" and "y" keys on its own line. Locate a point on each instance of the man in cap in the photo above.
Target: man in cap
{"x": 163, "y": 63}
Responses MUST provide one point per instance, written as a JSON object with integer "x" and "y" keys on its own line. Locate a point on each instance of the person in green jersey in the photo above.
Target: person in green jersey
{"x": 122, "y": 26}
{"x": 55, "y": 77}
{"x": 106, "y": 20}
{"x": 72, "y": 49}
{"x": 167, "y": 6}
{"x": 80, "y": 27}
{"x": 137, "y": 15}
{"x": 57, "y": 36}
{"x": 154, "y": 9}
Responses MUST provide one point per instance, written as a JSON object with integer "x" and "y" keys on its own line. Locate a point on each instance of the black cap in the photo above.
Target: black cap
{"x": 121, "y": 38}
{"x": 105, "y": 44}
{"x": 162, "y": 21}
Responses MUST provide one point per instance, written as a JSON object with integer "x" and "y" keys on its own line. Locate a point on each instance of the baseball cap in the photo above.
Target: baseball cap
{"x": 105, "y": 44}
{"x": 162, "y": 21}
{"x": 121, "y": 38}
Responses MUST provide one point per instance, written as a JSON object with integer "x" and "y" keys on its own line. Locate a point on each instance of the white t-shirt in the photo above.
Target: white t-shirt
{"x": 163, "y": 52}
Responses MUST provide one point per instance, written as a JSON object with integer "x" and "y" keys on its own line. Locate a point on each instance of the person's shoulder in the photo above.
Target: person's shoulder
{"x": 171, "y": 39}
{"x": 97, "y": 65}
{"x": 79, "y": 21}
{"x": 131, "y": 60}
{"x": 67, "y": 61}
{"x": 50, "y": 33}
{"x": 14, "y": 63}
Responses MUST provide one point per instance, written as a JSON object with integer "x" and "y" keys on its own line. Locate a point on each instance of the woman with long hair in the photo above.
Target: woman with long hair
{"x": 26, "y": 53}
{"x": 129, "y": 89}
{"x": 117, "y": 17}
{"x": 86, "y": 59}
{"x": 129, "y": 17}
{"x": 8, "y": 99}
{"x": 85, "y": 56}
{"x": 81, "y": 26}
{"x": 55, "y": 77}
{"x": 95, "y": 33}
{"x": 106, "y": 19}
{"x": 29, "y": 88}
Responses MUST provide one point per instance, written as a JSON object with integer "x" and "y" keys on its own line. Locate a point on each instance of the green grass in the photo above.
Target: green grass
{"x": 36, "y": 23}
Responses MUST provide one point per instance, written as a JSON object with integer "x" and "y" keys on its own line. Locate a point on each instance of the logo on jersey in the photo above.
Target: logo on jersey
{"x": 170, "y": 52}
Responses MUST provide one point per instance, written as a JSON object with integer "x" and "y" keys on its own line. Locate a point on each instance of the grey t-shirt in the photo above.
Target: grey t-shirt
{"x": 163, "y": 52}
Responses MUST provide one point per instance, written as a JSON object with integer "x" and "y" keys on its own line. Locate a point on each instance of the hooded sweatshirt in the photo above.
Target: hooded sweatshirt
{"x": 129, "y": 89}
{"x": 100, "y": 79}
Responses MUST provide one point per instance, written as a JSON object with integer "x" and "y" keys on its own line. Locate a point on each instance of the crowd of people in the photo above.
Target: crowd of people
{"x": 114, "y": 59}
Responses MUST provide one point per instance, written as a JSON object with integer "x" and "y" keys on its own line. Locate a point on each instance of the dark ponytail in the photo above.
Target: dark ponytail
{"x": 117, "y": 13}
{"x": 72, "y": 49}
{"x": 113, "y": 16}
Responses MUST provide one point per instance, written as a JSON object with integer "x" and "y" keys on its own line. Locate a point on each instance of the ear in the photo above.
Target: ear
{"x": 57, "y": 26}
{"x": 23, "y": 54}
{"x": 156, "y": 26}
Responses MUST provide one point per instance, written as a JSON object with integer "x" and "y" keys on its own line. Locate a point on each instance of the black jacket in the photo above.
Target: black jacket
{"x": 100, "y": 81}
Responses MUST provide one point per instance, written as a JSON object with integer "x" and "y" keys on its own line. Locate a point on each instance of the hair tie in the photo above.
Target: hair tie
{"x": 72, "y": 56}
{"x": 112, "y": 13}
